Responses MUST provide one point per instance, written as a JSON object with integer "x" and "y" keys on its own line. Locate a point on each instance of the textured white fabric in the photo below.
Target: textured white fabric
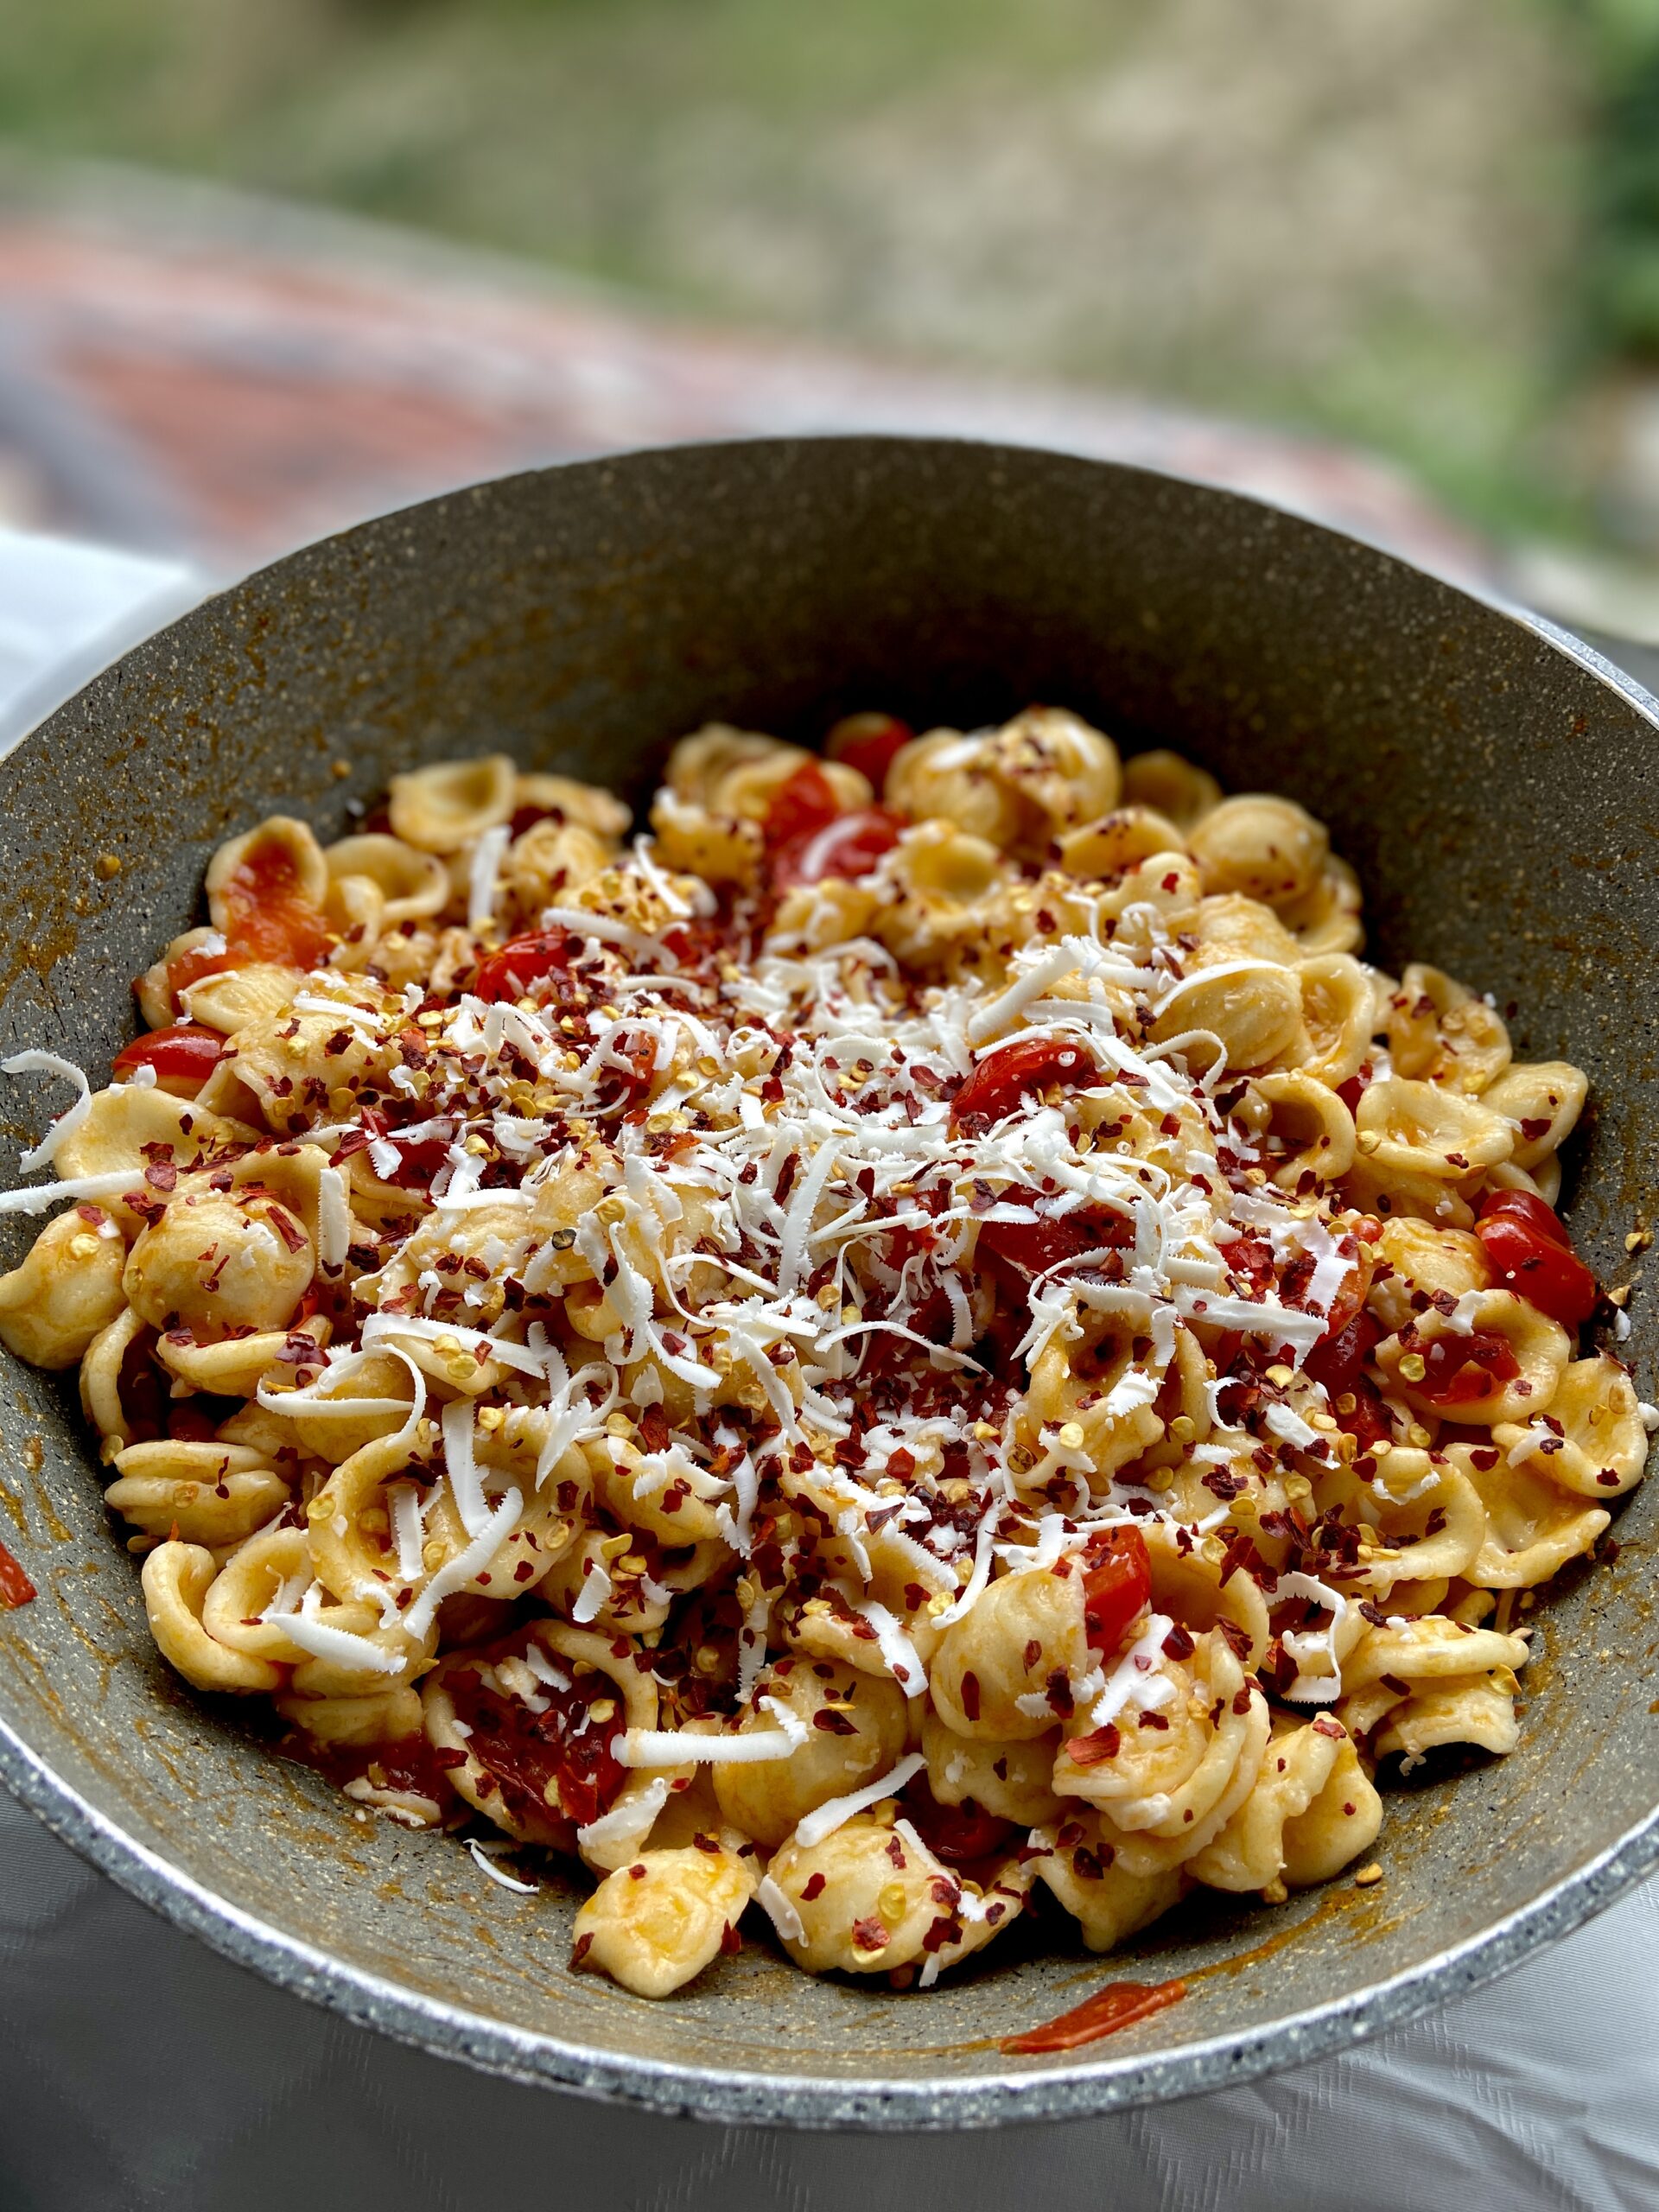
{"x": 140, "y": 2073}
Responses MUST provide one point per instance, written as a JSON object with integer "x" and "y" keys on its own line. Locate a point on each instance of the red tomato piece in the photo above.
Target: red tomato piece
{"x": 1116, "y": 1587}
{"x": 1528, "y": 1246}
{"x": 1002, "y": 1078}
{"x": 15, "y": 1589}
{"x": 804, "y": 803}
{"x": 523, "y": 960}
{"x": 1120, "y": 2004}
{"x": 1355, "y": 1089}
{"x": 269, "y": 917}
{"x": 1525, "y": 1206}
{"x": 868, "y": 743}
{"x": 1460, "y": 1368}
{"x": 421, "y": 1162}
{"x": 1031, "y": 1248}
{"x": 957, "y": 1834}
{"x": 1337, "y": 1362}
{"x": 850, "y": 846}
{"x": 183, "y": 1057}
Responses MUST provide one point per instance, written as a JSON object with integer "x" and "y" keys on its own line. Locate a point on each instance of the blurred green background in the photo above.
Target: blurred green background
{"x": 1428, "y": 226}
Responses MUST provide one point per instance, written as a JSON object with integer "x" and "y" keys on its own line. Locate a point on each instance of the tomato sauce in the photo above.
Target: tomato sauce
{"x": 15, "y": 1589}
{"x": 1120, "y": 2004}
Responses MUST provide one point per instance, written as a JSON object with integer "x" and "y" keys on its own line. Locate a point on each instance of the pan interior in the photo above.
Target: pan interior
{"x": 1500, "y": 799}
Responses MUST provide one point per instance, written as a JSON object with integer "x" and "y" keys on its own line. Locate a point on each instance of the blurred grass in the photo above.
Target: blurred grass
{"x": 1360, "y": 219}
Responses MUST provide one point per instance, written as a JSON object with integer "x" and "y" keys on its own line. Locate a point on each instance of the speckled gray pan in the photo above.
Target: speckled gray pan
{"x": 1498, "y": 787}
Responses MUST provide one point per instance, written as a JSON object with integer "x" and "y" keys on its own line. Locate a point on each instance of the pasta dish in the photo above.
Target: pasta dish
{"x": 920, "y": 1343}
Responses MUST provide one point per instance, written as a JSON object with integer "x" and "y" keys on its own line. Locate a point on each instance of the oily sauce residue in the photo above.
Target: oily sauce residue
{"x": 1120, "y": 2004}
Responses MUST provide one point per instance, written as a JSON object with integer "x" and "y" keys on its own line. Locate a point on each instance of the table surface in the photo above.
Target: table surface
{"x": 139, "y": 2071}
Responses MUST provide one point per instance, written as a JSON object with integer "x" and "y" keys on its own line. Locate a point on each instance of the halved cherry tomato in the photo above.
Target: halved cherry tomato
{"x": 868, "y": 743}
{"x": 1031, "y": 1248}
{"x": 1116, "y": 1588}
{"x": 1337, "y": 1362}
{"x": 849, "y": 846}
{"x": 523, "y": 960}
{"x": 183, "y": 1057}
{"x": 1525, "y": 1206}
{"x": 1460, "y": 1368}
{"x": 957, "y": 1834}
{"x": 1528, "y": 1246}
{"x": 1002, "y": 1078}
{"x": 804, "y": 803}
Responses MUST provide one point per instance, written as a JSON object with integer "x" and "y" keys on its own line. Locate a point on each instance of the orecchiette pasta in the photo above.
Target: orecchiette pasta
{"x": 926, "y": 1328}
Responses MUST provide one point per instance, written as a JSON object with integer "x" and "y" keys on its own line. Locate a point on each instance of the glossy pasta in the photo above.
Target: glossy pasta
{"x": 924, "y": 1337}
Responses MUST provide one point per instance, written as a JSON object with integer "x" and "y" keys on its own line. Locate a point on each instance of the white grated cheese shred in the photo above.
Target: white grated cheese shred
{"x": 826, "y": 1819}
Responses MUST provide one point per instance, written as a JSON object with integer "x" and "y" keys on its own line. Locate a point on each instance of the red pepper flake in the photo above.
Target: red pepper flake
{"x": 287, "y": 1228}
{"x": 1120, "y": 2004}
{"x": 1095, "y": 1749}
{"x": 583, "y": 1945}
{"x": 1235, "y": 1636}
{"x": 15, "y": 1589}
{"x": 870, "y": 1934}
{"x": 812, "y": 1887}
{"x": 730, "y": 1941}
{"x": 971, "y": 1695}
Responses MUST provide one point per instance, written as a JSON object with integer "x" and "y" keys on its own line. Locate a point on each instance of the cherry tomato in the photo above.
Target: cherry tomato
{"x": 1525, "y": 1206}
{"x": 1002, "y": 1078}
{"x": 957, "y": 1834}
{"x": 868, "y": 743}
{"x": 509, "y": 973}
{"x": 1337, "y": 1362}
{"x": 1116, "y": 1588}
{"x": 801, "y": 806}
{"x": 849, "y": 846}
{"x": 183, "y": 1057}
{"x": 1031, "y": 1248}
{"x": 1528, "y": 1246}
{"x": 1460, "y": 1368}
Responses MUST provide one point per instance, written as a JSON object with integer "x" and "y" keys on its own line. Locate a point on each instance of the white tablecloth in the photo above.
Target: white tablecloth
{"x": 140, "y": 2073}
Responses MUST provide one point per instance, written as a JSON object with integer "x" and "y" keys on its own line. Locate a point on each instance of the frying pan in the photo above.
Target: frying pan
{"x": 1494, "y": 781}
